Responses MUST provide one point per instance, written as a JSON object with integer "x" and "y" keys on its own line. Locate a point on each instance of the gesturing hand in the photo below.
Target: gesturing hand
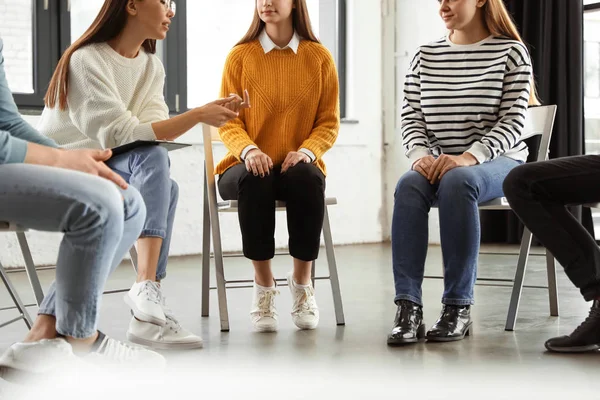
{"x": 235, "y": 103}
{"x": 445, "y": 163}
{"x": 293, "y": 158}
{"x": 258, "y": 163}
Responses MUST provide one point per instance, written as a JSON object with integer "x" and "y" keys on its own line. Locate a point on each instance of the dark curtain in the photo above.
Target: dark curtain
{"x": 553, "y": 32}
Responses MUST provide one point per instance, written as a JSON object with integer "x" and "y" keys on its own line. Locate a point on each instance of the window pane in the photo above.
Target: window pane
{"x": 213, "y": 28}
{"x": 16, "y": 29}
{"x": 83, "y": 13}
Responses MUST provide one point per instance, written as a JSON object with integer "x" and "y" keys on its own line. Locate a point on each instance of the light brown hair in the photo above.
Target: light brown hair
{"x": 108, "y": 24}
{"x": 499, "y": 22}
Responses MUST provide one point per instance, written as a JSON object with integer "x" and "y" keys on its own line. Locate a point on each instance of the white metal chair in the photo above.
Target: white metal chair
{"x": 212, "y": 208}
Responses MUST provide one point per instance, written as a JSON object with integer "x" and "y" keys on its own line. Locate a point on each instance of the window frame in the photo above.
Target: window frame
{"x": 176, "y": 57}
{"x": 52, "y": 36}
{"x": 46, "y": 50}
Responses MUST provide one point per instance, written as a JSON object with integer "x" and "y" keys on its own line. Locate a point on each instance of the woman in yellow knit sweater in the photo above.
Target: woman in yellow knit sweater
{"x": 276, "y": 148}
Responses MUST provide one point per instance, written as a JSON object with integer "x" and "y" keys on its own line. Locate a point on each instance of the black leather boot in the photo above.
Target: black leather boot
{"x": 408, "y": 324}
{"x": 454, "y": 324}
{"x": 585, "y": 338}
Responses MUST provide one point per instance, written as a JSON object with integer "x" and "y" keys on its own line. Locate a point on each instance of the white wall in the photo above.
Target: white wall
{"x": 406, "y": 27}
{"x": 354, "y": 164}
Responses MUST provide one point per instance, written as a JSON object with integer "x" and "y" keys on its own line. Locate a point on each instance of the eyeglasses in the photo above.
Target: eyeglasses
{"x": 170, "y": 6}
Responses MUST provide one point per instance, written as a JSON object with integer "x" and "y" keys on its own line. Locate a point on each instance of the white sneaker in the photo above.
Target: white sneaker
{"x": 169, "y": 337}
{"x": 112, "y": 352}
{"x": 305, "y": 312}
{"x": 144, "y": 300}
{"x": 264, "y": 313}
{"x": 23, "y": 360}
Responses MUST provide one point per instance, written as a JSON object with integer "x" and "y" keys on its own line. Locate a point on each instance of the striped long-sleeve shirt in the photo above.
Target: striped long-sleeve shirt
{"x": 467, "y": 98}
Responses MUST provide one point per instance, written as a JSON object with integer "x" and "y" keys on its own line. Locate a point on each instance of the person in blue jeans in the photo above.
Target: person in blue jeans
{"x": 107, "y": 91}
{"x": 465, "y": 101}
{"x": 74, "y": 192}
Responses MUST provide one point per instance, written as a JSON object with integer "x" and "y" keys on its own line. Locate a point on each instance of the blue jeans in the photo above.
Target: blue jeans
{"x": 100, "y": 223}
{"x": 457, "y": 196}
{"x": 148, "y": 170}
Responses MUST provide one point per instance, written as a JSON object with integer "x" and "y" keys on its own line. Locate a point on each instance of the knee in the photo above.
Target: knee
{"x": 462, "y": 181}
{"x": 410, "y": 184}
{"x": 305, "y": 176}
{"x": 105, "y": 209}
{"x": 517, "y": 181}
{"x": 255, "y": 182}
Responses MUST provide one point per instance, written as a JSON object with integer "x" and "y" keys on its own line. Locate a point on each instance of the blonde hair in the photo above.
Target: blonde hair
{"x": 499, "y": 22}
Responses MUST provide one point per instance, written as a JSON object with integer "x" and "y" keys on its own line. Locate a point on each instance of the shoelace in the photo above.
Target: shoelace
{"x": 151, "y": 291}
{"x": 305, "y": 302}
{"x": 172, "y": 321}
{"x": 266, "y": 303}
{"x": 594, "y": 314}
{"x": 115, "y": 350}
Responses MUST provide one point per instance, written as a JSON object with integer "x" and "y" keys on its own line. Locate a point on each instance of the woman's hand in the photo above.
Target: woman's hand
{"x": 293, "y": 158}
{"x": 216, "y": 113}
{"x": 235, "y": 103}
{"x": 89, "y": 161}
{"x": 258, "y": 163}
{"x": 445, "y": 163}
{"x": 423, "y": 165}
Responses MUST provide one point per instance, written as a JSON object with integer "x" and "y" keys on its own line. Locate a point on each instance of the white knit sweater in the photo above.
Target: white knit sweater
{"x": 112, "y": 100}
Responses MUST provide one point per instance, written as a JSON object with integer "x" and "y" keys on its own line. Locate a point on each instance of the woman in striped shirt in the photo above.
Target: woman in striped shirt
{"x": 466, "y": 96}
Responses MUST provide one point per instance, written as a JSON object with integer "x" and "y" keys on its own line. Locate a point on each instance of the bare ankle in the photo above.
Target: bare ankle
{"x": 44, "y": 327}
{"x": 82, "y": 346}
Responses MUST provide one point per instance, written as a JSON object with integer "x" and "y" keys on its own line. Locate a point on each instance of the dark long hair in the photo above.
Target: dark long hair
{"x": 300, "y": 21}
{"x": 108, "y": 24}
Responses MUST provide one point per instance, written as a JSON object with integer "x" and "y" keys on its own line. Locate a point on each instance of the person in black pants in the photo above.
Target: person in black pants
{"x": 539, "y": 193}
{"x": 302, "y": 187}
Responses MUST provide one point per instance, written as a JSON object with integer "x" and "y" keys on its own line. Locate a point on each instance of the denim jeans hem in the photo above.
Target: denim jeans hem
{"x": 76, "y": 333}
{"x": 47, "y": 311}
{"x": 458, "y": 302}
{"x": 409, "y": 298}
{"x": 153, "y": 233}
{"x": 160, "y": 277}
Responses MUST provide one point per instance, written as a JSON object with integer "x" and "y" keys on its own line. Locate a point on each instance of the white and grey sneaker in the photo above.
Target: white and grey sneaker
{"x": 111, "y": 352}
{"x": 263, "y": 313}
{"x": 144, "y": 300}
{"x": 22, "y": 361}
{"x": 169, "y": 337}
{"x": 305, "y": 312}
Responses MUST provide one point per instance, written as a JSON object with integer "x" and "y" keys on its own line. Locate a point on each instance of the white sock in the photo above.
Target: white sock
{"x": 298, "y": 286}
{"x": 265, "y": 287}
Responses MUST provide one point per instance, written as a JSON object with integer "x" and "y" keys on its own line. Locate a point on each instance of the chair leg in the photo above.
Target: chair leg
{"x": 134, "y": 258}
{"x": 552, "y": 284}
{"x": 15, "y": 297}
{"x": 34, "y": 280}
{"x": 519, "y": 278}
{"x": 205, "y": 253}
{"x": 333, "y": 272}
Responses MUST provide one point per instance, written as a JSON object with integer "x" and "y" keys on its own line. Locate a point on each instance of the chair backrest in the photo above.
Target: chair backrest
{"x": 539, "y": 125}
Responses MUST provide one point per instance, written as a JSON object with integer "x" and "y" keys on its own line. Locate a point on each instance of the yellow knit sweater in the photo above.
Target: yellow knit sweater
{"x": 294, "y": 102}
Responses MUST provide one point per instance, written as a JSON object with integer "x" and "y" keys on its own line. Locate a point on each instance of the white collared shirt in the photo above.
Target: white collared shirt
{"x": 268, "y": 45}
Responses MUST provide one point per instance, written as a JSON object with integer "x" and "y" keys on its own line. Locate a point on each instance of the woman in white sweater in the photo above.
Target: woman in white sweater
{"x": 465, "y": 101}
{"x": 107, "y": 91}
